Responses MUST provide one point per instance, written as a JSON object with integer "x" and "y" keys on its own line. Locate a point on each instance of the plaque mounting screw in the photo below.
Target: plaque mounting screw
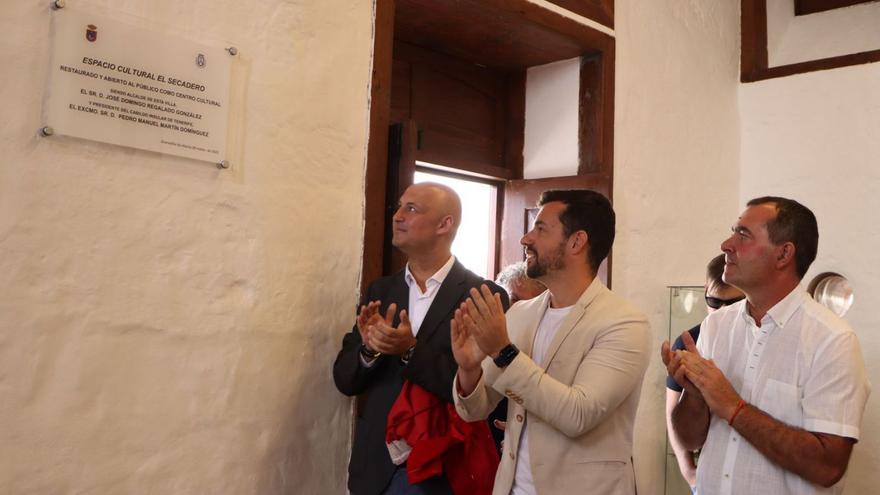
{"x": 47, "y": 131}
{"x": 232, "y": 50}
{"x": 222, "y": 164}
{"x": 58, "y": 4}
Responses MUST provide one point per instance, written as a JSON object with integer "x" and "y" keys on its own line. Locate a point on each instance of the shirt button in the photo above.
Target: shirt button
{"x": 511, "y": 454}
{"x": 519, "y": 418}
{"x": 727, "y": 476}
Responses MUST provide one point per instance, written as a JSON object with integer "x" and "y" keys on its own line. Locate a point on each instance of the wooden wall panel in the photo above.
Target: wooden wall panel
{"x": 457, "y": 119}
{"x": 401, "y": 74}
{"x": 467, "y": 117}
{"x": 516, "y": 124}
{"x": 501, "y": 34}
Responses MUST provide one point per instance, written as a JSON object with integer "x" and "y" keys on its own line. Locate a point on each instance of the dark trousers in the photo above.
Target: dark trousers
{"x": 399, "y": 485}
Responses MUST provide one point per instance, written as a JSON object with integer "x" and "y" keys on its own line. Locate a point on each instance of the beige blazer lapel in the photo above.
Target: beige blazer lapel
{"x": 529, "y": 325}
{"x": 521, "y": 330}
{"x": 571, "y": 321}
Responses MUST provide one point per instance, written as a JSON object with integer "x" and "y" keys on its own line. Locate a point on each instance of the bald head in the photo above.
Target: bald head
{"x": 427, "y": 219}
{"x": 445, "y": 199}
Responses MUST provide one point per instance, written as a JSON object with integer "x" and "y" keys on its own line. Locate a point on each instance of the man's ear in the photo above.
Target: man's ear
{"x": 446, "y": 225}
{"x": 578, "y": 241}
{"x": 785, "y": 254}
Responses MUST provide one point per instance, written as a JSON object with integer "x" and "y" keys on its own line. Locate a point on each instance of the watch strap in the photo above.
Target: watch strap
{"x": 368, "y": 353}
{"x": 506, "y": 356}
{"x": 406, "y": 356}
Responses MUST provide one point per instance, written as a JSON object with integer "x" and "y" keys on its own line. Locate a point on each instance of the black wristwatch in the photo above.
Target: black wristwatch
{"x": 506, "y": 356}
{"x": 368, "y": 353}
{"x": 406, "y": 356}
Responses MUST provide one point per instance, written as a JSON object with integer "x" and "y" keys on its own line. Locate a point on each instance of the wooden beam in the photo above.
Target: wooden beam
{"x": 589, "y": 39}
{"x": 596, "y": 115}
{"x": 806, "y": 7}
{"x": 377, "y": 147}
{"x": 515, "y": 130}
{"x": 601, "y": 11}
{"x": 753, "y": 56}
{"x": 606, "y": 167}
{"x": 816, "y": 65}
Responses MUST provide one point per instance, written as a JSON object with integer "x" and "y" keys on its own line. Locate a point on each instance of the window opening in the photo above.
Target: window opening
{"x": 475, "y": 242}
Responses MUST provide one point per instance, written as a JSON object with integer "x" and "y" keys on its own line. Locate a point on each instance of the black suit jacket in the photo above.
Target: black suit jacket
{"x": 431, "y": 366}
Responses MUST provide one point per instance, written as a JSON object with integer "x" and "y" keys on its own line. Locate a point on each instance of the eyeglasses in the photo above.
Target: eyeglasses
{"x": 718, "y": 303}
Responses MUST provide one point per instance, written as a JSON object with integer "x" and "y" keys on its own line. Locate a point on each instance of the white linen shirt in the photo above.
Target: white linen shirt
{"x": 420, "y": 302}
{"x": 803, "y": 366}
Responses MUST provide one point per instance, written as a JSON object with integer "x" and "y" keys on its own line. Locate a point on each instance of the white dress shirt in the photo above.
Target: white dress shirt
{"x": 523, "y": 483}
{"x": 803, "y": 366}
{"x": 420, "y": 302}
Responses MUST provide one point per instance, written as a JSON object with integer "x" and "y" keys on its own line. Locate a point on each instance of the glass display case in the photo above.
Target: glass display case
{"x": 687, "y": 308}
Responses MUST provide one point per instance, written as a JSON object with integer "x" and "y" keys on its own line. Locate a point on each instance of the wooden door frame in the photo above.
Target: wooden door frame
{"x": 377, "y": 144}
{"x": 754, "y": 57}
{"x": 596, "y": 114}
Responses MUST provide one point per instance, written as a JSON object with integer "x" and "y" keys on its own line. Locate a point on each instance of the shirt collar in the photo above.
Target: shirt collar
{"x": 436, "y": 279}
{"x": 782, "y": 311}
{"x": 785, "y": 309}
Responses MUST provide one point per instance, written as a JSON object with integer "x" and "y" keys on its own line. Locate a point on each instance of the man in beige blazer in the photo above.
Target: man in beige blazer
{"x": 571, "y": 361}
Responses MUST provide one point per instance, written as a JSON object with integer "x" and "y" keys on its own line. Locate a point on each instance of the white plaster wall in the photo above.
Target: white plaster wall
{"x": 550, "y": 148}
{"x": 675, "y": 171}
{"x": 166, "y": 327}
{"x": 814, "y": 137}
{"x": 792, "y": 39}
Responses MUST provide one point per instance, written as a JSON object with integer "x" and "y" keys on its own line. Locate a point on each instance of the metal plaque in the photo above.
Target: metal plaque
{"x": 119, "y": 83}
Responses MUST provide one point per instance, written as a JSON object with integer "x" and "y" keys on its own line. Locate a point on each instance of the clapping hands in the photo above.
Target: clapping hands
{"x": 479, "y": 328}
{"x": 378, "y": 333}
{"x": 701, "y": 377}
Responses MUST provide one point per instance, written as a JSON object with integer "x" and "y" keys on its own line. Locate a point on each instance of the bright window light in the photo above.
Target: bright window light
{"x": 475, "y": 242}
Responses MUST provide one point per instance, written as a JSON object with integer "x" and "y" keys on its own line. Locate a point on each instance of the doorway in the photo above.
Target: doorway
{"x": 450, "y": 83}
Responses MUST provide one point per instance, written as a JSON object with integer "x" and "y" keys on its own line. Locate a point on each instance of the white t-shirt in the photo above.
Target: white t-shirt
{"x": 803, "y": 366}
{"x": 523, "y": 483}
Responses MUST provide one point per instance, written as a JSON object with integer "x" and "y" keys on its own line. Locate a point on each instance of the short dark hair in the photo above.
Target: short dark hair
{"x": 715, "y": 270}
{"x": 588, "y": 211}
{"x": 794, "y": 223}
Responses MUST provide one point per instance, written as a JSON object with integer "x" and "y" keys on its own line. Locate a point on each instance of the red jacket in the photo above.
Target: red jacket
{"x": 442, "y": 442}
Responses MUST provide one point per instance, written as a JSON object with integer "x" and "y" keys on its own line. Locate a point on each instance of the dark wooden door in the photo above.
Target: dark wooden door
{"x": 402, "y": 143}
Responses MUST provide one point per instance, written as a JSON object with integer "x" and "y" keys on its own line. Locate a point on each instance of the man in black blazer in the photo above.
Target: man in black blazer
{"x": 402, "y": 333}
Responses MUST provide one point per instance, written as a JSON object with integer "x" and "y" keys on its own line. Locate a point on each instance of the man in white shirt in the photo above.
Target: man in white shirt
{"x": 402, "y": 333}
{"x": 571, "y": 360}
{"x": 775, "y": 390}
